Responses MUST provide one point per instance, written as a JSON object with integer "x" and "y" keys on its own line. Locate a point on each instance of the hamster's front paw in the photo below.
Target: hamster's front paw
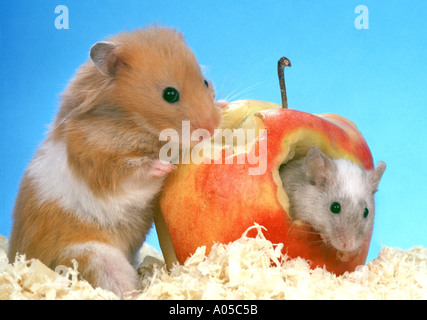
{"x": 160, "y": 168}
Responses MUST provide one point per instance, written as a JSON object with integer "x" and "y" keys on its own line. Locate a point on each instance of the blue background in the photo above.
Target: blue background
{"x": 375, "y": 77}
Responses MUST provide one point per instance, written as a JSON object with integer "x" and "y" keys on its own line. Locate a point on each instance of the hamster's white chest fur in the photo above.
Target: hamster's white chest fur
{"x": 55, "y": 181}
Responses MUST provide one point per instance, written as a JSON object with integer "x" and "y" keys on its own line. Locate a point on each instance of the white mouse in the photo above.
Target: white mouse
{"x": 336, "y": 197}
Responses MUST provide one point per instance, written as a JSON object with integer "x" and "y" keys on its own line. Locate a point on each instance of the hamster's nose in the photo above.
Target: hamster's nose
{"x": 211, "y": 128}
{"x": 222, "y": 104}
{"x": 207, "y": 131}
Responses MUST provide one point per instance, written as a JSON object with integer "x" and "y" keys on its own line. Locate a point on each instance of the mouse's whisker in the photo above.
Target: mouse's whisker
{"x": 307, "y": 231}
{"x": 314, "y": 243}
{"x": 324, "y": 242}
{"x": 306, "y": 224}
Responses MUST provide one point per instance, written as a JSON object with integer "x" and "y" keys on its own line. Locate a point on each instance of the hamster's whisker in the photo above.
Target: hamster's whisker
{"x": 236, "y": 93}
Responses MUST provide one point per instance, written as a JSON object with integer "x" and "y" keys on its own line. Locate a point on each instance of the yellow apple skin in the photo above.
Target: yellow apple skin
{"x": 207, "y": 203}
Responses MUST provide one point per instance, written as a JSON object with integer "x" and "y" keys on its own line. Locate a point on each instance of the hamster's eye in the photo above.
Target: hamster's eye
{"x": 335, "y": 208}
{"x": 171, "y": 95}
{"x": 206, "y": 83}
{"x": 365, "y": 213}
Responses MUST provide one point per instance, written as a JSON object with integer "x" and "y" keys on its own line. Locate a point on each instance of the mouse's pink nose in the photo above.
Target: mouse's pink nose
{"x": 348, "y": 243}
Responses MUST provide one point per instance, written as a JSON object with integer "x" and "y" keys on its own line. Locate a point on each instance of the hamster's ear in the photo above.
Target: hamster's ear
{"x": 318, "y": 167}
{"x": 375, "y": 175}
{"x": 103, "y": 55}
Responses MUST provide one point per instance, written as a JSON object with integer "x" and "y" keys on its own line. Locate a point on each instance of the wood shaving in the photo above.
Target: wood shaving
{"x": 248, "y": 268}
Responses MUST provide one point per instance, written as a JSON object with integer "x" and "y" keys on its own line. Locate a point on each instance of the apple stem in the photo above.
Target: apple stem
{"x": 282, "y": 63}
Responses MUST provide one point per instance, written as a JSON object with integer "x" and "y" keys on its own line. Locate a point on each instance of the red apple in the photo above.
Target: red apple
{"x": 210, "y": 202}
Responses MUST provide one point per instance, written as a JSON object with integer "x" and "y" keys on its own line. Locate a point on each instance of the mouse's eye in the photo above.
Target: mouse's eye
{"x": 365, "y": 213}
{"x": 206, "y": 83}
{"x": 171, "y": 95}
{"x": 335, "y": 207}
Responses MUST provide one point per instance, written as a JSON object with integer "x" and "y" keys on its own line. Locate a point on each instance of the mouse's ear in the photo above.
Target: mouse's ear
{"x": 318, "y": 167}
{"x": 103, "y": 55}
{"x": 375, "y": 175}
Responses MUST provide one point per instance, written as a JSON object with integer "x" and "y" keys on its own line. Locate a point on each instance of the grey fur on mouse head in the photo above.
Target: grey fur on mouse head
{"x": 336, "y": 197}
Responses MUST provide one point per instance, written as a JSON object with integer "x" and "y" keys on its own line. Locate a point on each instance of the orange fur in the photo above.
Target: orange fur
{"x": 46, "y": 230}
{"x": 110, "y": 119}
